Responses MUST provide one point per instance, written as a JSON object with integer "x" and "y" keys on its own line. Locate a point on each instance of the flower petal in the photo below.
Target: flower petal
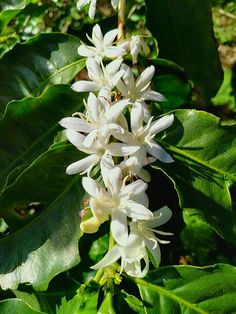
{"x": 121, "y": 150}
{"x": 86, "y": 51}
{"x": 92, "y": 9}
{"x": 106, "y": 165}
{"x": 134, "y": 188}
{"x": 75, "y": 138}
{"x": 89, "y": 139}
{"x": 110, "y": 37}
{"x": 155, "y": 252}
{"x": 94, "y": 69}
{"x": 153, "y": 95}
{"x": 113, "y": 67}
{"x": 160, "y": 217}
{"x": 91, "y": 187}
{"x": 119, "y": 227}
{"x": 81, "y": 165}
{"x": 111, "y": 257}
{"x": 76, "y": 124}
{"x": 145, "y": 77}
{"x": 115, "y": 180}
{"x": 97, "y": 36}
{"x": 136, "y": 116}
{"x": 136, "y": 211}
{"x": 158, "y": 152}
{"x": 85, "y": 86}
{"x": 161, "y": 124}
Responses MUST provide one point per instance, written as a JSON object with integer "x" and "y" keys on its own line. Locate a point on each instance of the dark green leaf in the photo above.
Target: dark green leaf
{"x": 204, "y": 152}
{"x": 184, "y": 32}
{"x": 42, "y": 211}
{"x": 16, "y": 306}
{"x": 171, "y": 81}
{"x": 188, "y": 290}
{"x": 29, "y": 126}
{"x": 128, "y": 303}
{"x": 29, "y": 68}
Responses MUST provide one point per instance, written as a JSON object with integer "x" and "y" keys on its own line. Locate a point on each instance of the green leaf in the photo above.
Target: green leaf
{"x": 204, "y": 152}
{"x": 184, "y": 32}
{"x": 128, "y": 303}
{"x": 30, "y": 68}
{"x": 170, "y": 80}
{"x": 28, "y": 298}
{"x": 44, "y": 243}
{"x": 188, "y": 290}
{"x": 107, "y": 305}
{"x": 9, "y": 9}
{"x": 30, "y": 125}
{"x": 99, "y": 248}
{"x": 16, "y": 306}
{"x": 85, "y": 302}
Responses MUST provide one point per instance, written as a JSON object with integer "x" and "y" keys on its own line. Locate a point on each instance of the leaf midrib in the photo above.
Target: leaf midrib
{"x": 33, "y": 93}
{"x": 170, "y": 295}
{"x": 196, "y": 160}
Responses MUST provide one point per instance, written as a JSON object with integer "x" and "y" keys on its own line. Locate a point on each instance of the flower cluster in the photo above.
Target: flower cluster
{"x": 117, "y": 132}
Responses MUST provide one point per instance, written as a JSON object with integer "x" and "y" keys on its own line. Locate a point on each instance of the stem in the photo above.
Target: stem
{"x": 121, "y": 20}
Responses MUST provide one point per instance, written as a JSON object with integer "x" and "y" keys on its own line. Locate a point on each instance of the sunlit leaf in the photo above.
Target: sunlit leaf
{"x": 41, "y": 209}
{"x": 30, "y": 125}
{"x": 17, "y": 306}
{"x": 204, "y": 152}
{"x": 188, "y": 290}
{"x": 45, "y": 60}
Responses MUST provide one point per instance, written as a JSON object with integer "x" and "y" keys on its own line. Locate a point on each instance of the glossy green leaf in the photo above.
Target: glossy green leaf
{"x": 189, "y": 290}
{"x": 204, "y": 152}
{"x": 184, "y": 32}
{"x": 9, "y": 9}
{"x": 17, "y": 306}
{"x": 30, "y": 125}
{"x": 30, "y": 68}
{"x": 42, "y": 210}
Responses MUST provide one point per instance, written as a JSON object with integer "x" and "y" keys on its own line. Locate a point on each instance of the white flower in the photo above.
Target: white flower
{"x": 138, "y": 91}
{"x": 145, "y": 231}
{"x": 103, "y": 45}
{"x": 119, "y": 201}
{"x": 99, "y": 152}
{"x": 136, "y": 46}
{"x": 131, "y": 254}
{"x": 92, "y": 7}
{"x": 143, "y": 136}
{"x": 129, "y": 168}
{"x": 99, "y": 121}
{"x": 141, "y": 237}
{"x": 101, "y": 76}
